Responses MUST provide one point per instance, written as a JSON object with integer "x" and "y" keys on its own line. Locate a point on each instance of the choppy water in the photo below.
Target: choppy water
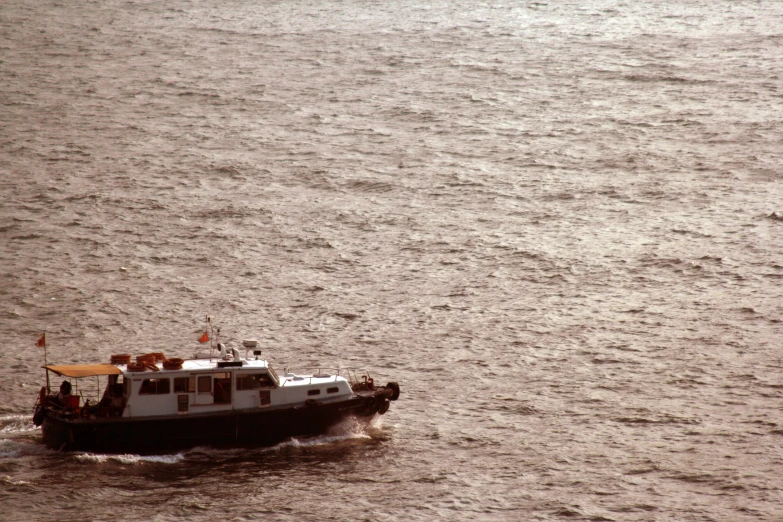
{"x": 558, "y": 224}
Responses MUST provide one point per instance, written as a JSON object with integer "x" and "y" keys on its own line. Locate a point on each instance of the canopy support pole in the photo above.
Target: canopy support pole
{"x": 48, "y": 389}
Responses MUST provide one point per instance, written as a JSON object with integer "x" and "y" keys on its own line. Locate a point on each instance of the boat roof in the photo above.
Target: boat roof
{"x": 214, "y": 364}
{"x": 195, "y": 365}
{"x": 84, "y": 370}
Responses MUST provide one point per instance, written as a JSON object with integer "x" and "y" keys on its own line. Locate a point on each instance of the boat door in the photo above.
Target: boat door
{"x": 221, "y": 386}
{"x": 204, "y": 389}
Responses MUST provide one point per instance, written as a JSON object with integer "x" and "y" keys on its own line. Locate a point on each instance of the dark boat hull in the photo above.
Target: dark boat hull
{"x": 255, "y": 427}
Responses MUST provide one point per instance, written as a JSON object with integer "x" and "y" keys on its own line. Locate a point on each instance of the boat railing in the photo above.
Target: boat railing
{"x": 354, "y": 376}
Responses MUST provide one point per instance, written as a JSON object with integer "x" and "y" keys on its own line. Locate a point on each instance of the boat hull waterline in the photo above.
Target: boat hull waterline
{"x": 223, "y": 429}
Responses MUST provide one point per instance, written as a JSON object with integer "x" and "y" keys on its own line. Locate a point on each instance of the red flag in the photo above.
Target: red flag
{"x": 42, "y": 341}
{"x": 204, "y": 338}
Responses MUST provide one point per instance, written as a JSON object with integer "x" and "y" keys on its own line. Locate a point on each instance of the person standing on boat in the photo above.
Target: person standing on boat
{"x": 65, "y": 393}
{"x": 218, "y": 393}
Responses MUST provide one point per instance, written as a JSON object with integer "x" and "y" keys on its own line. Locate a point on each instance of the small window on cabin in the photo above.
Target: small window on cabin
{"x": 333, "y": 389}
{"x": 184, "y": 384}
{"x": 254, "y": 381}
{"x": 155, "y": 387}
{"x": 313, "y": 392}
{"x": 205, "y": 384}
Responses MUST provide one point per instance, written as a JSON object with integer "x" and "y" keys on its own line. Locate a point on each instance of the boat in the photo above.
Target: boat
{"x": 155, "y": 404}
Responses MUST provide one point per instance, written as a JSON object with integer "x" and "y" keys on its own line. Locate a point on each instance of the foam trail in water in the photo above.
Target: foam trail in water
{"x": 349, "y": 429}
{"x": 9, "y": 481}
{"x": 14, "y": 448}
{"x": 129, "y": 459}
{"x": 9, "y": 449}
{"x": 17, "y": 423}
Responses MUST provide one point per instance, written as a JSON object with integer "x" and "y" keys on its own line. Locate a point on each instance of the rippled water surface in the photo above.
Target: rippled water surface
{"x": 558, "y": 225}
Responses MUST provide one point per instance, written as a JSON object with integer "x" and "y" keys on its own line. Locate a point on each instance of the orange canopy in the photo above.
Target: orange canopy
{"x": 85, "y": 370}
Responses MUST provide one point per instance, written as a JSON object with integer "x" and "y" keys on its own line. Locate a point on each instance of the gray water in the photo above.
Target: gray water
{"x": 557, "y": 224}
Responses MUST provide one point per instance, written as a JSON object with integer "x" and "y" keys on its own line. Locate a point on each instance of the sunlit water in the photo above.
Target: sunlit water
{"x": 558, "y": 225}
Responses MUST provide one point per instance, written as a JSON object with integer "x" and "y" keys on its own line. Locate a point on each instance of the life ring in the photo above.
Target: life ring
{"x": 120, "y": 358}
{"x": 149, "y": 357}
{"x": 173, "y": 364}
{"x": 151, "y": 366}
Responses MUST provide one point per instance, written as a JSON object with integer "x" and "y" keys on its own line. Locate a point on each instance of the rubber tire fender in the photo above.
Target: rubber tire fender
{"x": 39, "y": 415}
{"x": 395, "y": 388}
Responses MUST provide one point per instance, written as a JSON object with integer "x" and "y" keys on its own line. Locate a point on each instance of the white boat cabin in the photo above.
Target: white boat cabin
{"x": 192, "y": 386}
{"x": 208, "y": 386}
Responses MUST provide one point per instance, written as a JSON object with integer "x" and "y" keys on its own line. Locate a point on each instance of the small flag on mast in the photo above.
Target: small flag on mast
{"x": 204, "y": 338}
{"x": 41, "y": 341}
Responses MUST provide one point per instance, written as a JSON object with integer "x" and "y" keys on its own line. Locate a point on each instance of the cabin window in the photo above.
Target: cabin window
{"x": 254, "y": 381}
{"x": 313, "y": 392}
{"x": 155, "y": 387}
{"x": 205, "y": 384}
{"x": 333, "y": 389}
{"x": 184, "y": 384}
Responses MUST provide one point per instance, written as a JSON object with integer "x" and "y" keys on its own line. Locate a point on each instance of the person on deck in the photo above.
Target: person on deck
{"x": 218, "y": 395}
{"x": 65, "y": 393}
